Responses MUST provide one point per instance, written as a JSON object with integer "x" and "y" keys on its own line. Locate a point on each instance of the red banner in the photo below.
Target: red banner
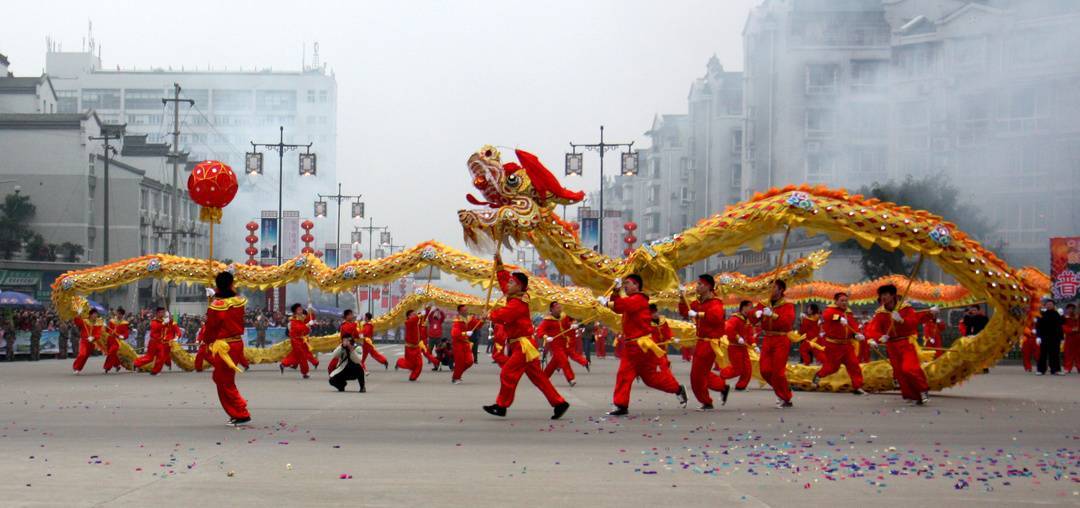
{"x": 1065, "y": 267}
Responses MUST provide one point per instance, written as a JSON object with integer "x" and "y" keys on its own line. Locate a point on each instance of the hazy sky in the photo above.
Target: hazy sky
{"x": 421, "y": 85}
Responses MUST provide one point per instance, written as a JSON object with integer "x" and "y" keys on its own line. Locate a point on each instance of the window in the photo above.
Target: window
{"x": 654, "y": 195}
{"x": 868, "y": 160}
{"x": 324, "y": 96}
{"x": 868, "y": 75}
{"x": 144, "y": 119}
{"x": 275, "y": 100}
{"x": 968, "y": 53}
{"x": 736, "y": 174}
{"x": 144, "y": 202}
{"x": 819, "y": 168}
{"x": 655, "y": 163}
{"x": 736, "y": 142}
{"x": 1031, "y": 48}
{"x": 101, "y": 98}
{"x": 232, "y": 100}
{"x": 143, "y": 98}
{"x": 67, "y": 101}
{"x": 820, "y": 122}
{"x": 916, "y": 60}
{"x": 311, "y": 96}
{"x": 685, "y": 165}
{"x": 821, "y": 78}
{"x": 869, "y": 119}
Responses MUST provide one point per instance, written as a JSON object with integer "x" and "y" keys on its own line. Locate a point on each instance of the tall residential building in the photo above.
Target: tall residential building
{"x": 851, "y": 92}
{"x": 232, "y": 109}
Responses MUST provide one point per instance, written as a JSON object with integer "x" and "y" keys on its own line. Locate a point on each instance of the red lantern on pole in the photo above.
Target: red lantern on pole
{"x": 307, "y": 237}
{"x": 251, "y": 240}
{"x": 630, "y": 226}
{"x": 627, "y": 251}
{"x": 358, "y": 255}
{"x": 630, "y": 239}
{"x": 212, "y": 185}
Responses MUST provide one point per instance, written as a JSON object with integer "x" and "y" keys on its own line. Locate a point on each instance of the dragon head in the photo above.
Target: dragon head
{"x": 516, "y": 196}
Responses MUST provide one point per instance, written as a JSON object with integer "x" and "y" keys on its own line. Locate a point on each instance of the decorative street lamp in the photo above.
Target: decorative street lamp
{"x": 307, "y": 164}
{"x": 629, "y": 168}
{"x": 253, "y": 163}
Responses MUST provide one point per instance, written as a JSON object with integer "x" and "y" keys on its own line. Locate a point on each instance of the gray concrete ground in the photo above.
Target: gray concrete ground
{"x": 1005, "y": 439}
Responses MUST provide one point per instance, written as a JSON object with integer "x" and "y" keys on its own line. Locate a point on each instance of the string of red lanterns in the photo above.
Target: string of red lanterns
{"x": 307, "y": 237}
{"x": 629, "y": 238}
{"x": 251, "y": 240}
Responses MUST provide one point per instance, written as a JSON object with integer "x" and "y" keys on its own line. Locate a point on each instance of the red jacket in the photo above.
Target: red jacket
{"x": 882, "y": 323}
{"x": 636, "y": 317}
{"x": 367, "y": 331}
{"x": 157, "y": 330}
{"x": 460, "y": 326}
{"x": 413, "y": 330}
{"x": 433, "y": 321}
{"x": 780, "y": 323}
{"x": 118, "y": 329}
{"x": 711, "y": 325}
{"x": 811, "y": 326}
{"x": 89, "y": 330}
{"x": 298, "y": 328}
{"x": 661, "y": 332}
{"x": 224, "y": 319}
{"x": 551, "y": 326}
{"x": 836, "y": 330}
{"x": 514, "y": 316}
{"x": 737, "y": 326}
{"x": 348, "y": 330}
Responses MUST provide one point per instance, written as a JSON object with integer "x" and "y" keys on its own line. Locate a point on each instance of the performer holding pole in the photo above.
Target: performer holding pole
{"x": 897, "y": 324}
{"x": 413, "y": 360}
{"x": 117, "y": 330}
{"x": 555, "y": 331}
{"x": 640, "y": 355}
{"x": 840, "y": 337}
{"x": 224, "y": 334}
{"x": 299, "y": 328}
{"x": 90, "y": 329}
{"x": 461, "y": 338}
{"x": 776, "y": 318}
{"x": 740, "y": 336}
{"x": 708, "y": 315}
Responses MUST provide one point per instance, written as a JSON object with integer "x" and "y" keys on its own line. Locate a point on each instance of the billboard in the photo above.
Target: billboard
{"x": 268, "y": 237}
{"x": 1065, "y": 267}
{"x": 290, "y": 234}
{"x": 590, "y": 232}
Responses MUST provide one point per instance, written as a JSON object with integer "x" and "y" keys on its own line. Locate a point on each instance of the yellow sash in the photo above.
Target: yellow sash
{"x": 646, "y": 344}
{"x": 527, "y": 347}
{"x": 220, "y": 348}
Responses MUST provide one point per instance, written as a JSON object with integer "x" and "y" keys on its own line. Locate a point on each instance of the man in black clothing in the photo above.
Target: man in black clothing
{"x": 974, "y": 320}
{"x": 1048, "y": 335}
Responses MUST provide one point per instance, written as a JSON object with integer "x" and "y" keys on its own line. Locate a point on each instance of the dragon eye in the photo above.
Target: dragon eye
{"x": 513, "y": 180}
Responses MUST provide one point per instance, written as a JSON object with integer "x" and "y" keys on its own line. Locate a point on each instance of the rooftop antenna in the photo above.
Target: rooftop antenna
{"x": 90, "y": 36}
{"x": 303, "y": 57}
{"x": 315, "y": 56}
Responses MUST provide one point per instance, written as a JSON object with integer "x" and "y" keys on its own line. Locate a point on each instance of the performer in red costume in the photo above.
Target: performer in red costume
{"x": 810, "y": 326}
{"x": 740, "y": 335}
{"x": 554, "y": 331}
{"x": 498, "y": 344}
{"x": 661, "y": 334}
{"x": 600, "y": 340}
{"x": 776, "y": 317}
{"x": 708, "y": 315}
{"x": 158, "y": 349}
{"x": 461, "y": 340}
{"x": 90, "y": 329}
{"x": 115, "y": 331}
{"x": 897, "y": 325}
{"x": 932, "y": 335}
{"x": 202, "y": 355}
{"x": 575, "y": 351}
{"x": 1071, "y": 327}
{"x": 515, "y": 319}
{"x": 414, "y": 347}
{"x": 224, "y": 336}
{"x": 299, "y": 328}
{"x": 367, "y": 331}
{"x": 640, "y": 355}
{"x": 841, "y": 334}
{"x": 1029, "y": 348}
{"x": 431, "y": 328}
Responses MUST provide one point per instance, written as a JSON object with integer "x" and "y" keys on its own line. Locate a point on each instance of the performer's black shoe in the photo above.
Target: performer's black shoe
{"x": 587, "y": 364}
{"x": 724, "y": 395}
{"x": 282, "y": 369}
{"x": 236, "y": 422}
{"x": 681, "y": 395}
{"x": 560, "y": 410}
{"x": 857, "y": 392}
{"x": 386, "y": 366}
{"x": 363, "y": 389}
{"x": 705, "y": 407}
{"x": 495, "y": 410}
{"x": 306, "y": 376}
{"x": 619, "y": 411}
{"x": 743, "y": 389}
{"x": 341, "y": 389}
{"x": 785, "y": 404}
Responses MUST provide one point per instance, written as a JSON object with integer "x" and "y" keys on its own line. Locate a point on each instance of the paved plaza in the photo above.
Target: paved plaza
{"x": 1003, "y": 439}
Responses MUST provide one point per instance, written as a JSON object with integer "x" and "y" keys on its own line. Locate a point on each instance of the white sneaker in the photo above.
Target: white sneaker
{"x": 455, "y": 382}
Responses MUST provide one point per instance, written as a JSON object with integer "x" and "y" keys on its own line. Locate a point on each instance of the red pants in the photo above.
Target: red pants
{"x": 864, "y": 353}
{"x": 559, "y": 360}
{"x": 635, "y": 363}
{"x": 370, "y": 350}
{"x": 157, "y": 352}
{"x": 806, "y": 352}
{"x": 300, "y": 355}
{"x": 1071, "y": 358}
{"x": 411, "y": 362}
{"x": 1029, "y": 350}
{"x": 907, "y": 369}
{"x": 702, "y": 378}
{"x": 201, "y": 357}
{"x": 687, "y": 353}
{"x": 463, "y": 358}
{"x": 740, "y": 366}
{"x": 578, "y": 357}
{"x": 225, "y": 378}
{"x": 841, "y": 354}
{"x": 511, "y": 373}
{"x": 85, "y": 347}
{"x": 773, "y": 364}
{"x": 112, "y": 359}
{"x": 601, "y": 348}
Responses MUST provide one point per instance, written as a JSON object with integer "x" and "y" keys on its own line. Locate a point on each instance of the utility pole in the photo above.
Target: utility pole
{"x": 281, "y": 147}
{"x": 107, "y": 134}
{"x": 337, "y": 246}
{"x": 175, "y": 156}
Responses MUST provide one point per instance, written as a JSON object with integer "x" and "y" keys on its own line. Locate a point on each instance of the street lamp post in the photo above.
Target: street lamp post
{"x": 356, "y": 210}
{"x": 371, "y": 228}
{"x": 107, "y": 134}
{"x": 629, "y": 168}
{"x": 253, "y": 165}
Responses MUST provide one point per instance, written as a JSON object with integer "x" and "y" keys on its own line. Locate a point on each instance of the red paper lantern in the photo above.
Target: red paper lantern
{"x": 252, "y": 262}
{"x": 251, "y": 239}
{"x": 213, "y": 186}
{"x": 319, "y": 254}
{"x": 630, "y": 226}
{"x": 251, "y": 251}
{"x": 358, "y": 255}
{"x": 307, "y": 250}
{"x": 307, "y": 225}
{"x": 630, "y": 239}
{"x": 627, "y": 251}
{"x": 252, "y": 226}
{"x": 307, "y": 238}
